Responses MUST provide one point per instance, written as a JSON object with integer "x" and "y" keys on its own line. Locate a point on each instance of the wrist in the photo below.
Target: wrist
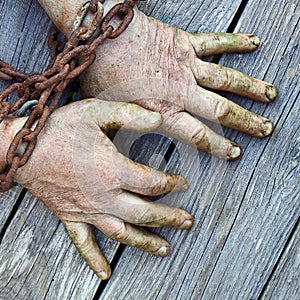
{"x": 63, "y": 12}
{"x": 8, "y": 129}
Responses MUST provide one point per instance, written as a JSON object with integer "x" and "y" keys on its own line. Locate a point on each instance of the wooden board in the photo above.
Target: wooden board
{"x": 38, "y": 260}
{"x": 285, "y": 280}
{"x": 17, "y": 18}
{"x": 244, "y": 211}
{"x": 8, "y": 201}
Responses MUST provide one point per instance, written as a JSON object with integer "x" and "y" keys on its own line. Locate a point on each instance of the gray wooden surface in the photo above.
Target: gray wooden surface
{"x": 245, "y": 241}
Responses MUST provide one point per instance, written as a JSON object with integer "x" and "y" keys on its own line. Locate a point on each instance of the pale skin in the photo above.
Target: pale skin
{"x": 79, "y": 174}
{"x": 159, "y": 68}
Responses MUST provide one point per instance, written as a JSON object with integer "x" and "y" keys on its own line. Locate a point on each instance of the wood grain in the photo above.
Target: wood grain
{"x": 7, "y": 202}
{"x": 244, "y": 211}
{"x": 17, "y": 18}
{"x": 39, "y": 261}
{"x": 285, "y": 282}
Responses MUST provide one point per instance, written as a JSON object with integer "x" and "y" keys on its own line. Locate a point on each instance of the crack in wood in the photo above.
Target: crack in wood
{"x": 279, "y": 260}
{"x": 12, "y": 214}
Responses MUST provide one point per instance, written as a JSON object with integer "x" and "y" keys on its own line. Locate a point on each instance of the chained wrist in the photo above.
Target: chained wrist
{"x": 46, "y": 89}
{"x": 64, "y": 15}
{"x": 8, "y": 129}
{"x": 4, "y": 145}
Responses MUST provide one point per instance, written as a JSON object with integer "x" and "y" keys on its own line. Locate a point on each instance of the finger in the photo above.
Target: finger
{"x": 189, "y": 130}
{"x": 216, "y": 108}
{"x": 130, "y": 235}
{"x": 144, "y": 180}
{"x": 84, "y": 240}
{"x": 206, "y": 44}
{"x": 221, "y": 78}
{"x": 133, "y": 209}
{"x": 117, "y": 115}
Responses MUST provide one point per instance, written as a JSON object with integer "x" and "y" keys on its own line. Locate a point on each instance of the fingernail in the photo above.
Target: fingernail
{"x": 181, "y": 184}
{"x": 155, "y": 118}
{"x": 271, "y": 93}
{"x": 267, "y": 128}
{"x": 184, "y": 184}
{"x": 163, "y": 251}
{"x": 235, "y": 152}
{"x": 255, "y": 40}
{"x": 103, "y": 275}
{"x": 187, "y": 224}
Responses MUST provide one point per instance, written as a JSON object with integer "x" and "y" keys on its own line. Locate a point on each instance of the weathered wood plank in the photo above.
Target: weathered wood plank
{"x": 7, "y": 202}
{"x": 209, "y": 213}
{"x": 285, "y": 282}
{"x": 38, "y": 260}
{"x": 193, "y": 15}
{"x": 244, "y": 211}
{"x": 16, "y": 17}
{"x": 271, "y": 201}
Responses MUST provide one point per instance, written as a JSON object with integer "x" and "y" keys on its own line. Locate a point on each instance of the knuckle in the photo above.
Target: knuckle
{"x": 222, "y": 109}
{"x": 120, "y": 233}
{"x": 183, "y": 51}
{"x": 80, "y": 239}
{"x": 198, "y": 135}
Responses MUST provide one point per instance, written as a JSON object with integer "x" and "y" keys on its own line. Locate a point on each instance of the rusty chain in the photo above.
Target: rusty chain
{"x": 47, "y": 87}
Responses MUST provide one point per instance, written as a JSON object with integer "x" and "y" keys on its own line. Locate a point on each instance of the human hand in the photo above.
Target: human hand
{"x": 160, "y": 68}
{"x": 78, "y": 173}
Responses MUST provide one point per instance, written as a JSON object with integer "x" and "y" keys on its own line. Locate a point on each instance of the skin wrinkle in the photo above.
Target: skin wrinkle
{"x": 75, "y": 132}
{"x": 84, "y": 177}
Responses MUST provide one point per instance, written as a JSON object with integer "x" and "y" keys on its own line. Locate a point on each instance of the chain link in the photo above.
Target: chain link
{"x": 47, "y": 88}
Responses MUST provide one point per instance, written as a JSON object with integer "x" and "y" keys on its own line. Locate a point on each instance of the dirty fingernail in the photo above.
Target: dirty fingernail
{"x": 163, "y": 251}
{"x": 267, "y": 128}
{"x": 255, "y": 40}
{"x": 183, "y": 183}
{"x": 271, "y": 93}
{"x": 155, "y": 118}
{"x": 187, "y": 224}
{"x": 235, "y": 152}
{"x": 103, "y": 275}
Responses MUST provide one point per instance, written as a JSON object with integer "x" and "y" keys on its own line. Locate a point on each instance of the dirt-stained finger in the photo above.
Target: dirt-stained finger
{"x": 191, "y": 131}
{"x": 144, "y": 180}
{"x": 217, "y": 77}
{"x": 84, "y": 240}
{"x": 127, "y": 116}
{"x": 206, "y": 44}
{"x": 133, "y": 209}
{"x": 216, "y": 108}
{"x": 131, "y": 235}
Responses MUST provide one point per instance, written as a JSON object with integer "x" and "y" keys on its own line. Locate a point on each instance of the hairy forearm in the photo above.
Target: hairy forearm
{"x": 63, "y": 14}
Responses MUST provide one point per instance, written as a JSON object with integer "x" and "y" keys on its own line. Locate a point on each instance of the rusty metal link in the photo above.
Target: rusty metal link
{"x": 4, "y": 110}
{"x": 119, "y": 10}
{"x": 8, "y": 73}
{"x": 125, "y": 13}
{"x": 55, "y": 45}
{"x": 90, "y": 30}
